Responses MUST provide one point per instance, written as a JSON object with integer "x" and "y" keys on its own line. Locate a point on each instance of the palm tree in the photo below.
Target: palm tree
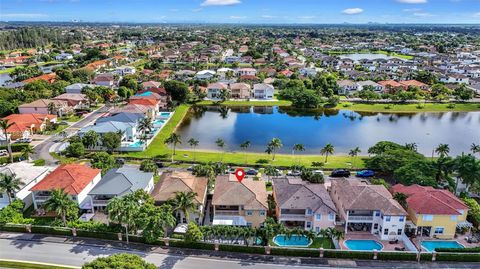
{"x": 443, "y": 150}
{"x": 193, "y": 143}
{"x": 10, "y": 184}
{"x": 270, "y": 171}
{"x": 51, "y": 108}
{"x": 220, "y": 143}
{"x": 297, "y": 147}
{"x": 173, "y": 139}
{"x": 354, "y": 153}
{"x": 184, "y": 202}
{"x": 245, "y": 145}
{"x": 145, "y": 125}
{"x": 475, "y": 148}
{"x": 4, "y": 125}
{"x": 61, "y": 203}
{"x": 123, "y": 212}
{"x": 272, "y": 147}
{"x": 411, "y": 146}
{"x": 328, "y": 149}
{"x": 27, "y": 151}
{"x": 401, "y": 198}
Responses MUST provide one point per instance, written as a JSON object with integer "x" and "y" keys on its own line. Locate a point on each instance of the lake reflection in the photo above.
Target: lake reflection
{"x": 344, "y": 129}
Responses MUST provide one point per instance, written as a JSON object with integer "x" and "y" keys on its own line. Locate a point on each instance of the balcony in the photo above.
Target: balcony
{"x": 227, "y": 212}
{"x": 287, "y": 217}
{"x": 42, "y": 198}
{"x": 103, "y": 202}
{"x": 360, "y": 218}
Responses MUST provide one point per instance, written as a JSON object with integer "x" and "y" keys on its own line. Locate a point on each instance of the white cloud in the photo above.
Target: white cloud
{"x": 237, "y": 17}
{"x": 268, "y": 16}
{"x": 476, "y": 15}
{"x": 413, "y": 1}
{"x": 412, "y": 10}
{"x": 305, "y": 17}
{"x": 422, "y": 14}
{"x": 352, "y": 11}
{"x": 220, "y": 3}
{"x": 23, "y": 15}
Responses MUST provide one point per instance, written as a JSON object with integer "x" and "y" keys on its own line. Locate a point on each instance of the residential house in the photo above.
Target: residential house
{"x": 76, "y": 180}
{"x": 128, "y": 131}
{"x": 118, "y": 182}
{"x": 50, "y": 78}
{"x": 347, "y": 87}
{"x": 214, "y": 90}
{"x": 63, "y": 56}
{"x": 246, "y": 72}
{"x": 177, "y": 181}
{"x": 239, "y": 203}
{"x": 125, "y": 70}
{"x": 302, "y": 204}
{"x": 455, "y": 78}
{"x": 414, "y": 83}
{"x": 391, "y": 86}
{"x": 150, "y": 84}
{"x": 263, "y": 91}
{"x": 24, "y": 125}
{"x": 240, "y": 90}
{"x": 46, "y": 106}
{"x": 370, "y": 84}
{"x": 78, "y": 87}
{"x": 368, "y": 208}
{"x": 106, "y": 80}
{"x": 205, "y": 75}
{"x": 29, "y": 175}
{"x": 75, "y": 100}
{"x": 433, "y": 212}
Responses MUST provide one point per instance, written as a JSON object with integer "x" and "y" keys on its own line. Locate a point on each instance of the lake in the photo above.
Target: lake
{"x": 5, "y": 77}
{"x": 344, "y": 129}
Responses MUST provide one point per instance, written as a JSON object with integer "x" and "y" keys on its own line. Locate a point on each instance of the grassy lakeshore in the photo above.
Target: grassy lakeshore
{"x": 159, "y": 149}
{"x": 391, "y": 54}
{"x": 408, "y": 108}
{"x": 247, "y": 103}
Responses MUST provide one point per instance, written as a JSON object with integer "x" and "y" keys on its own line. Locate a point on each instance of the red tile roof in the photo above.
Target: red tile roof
{"x": 50, "y": 78}
{"x": 72, "y": 178}
{"x": 145, "y": 102}
{"x": 22, "y": 122}
{"x": 427, "y": 200}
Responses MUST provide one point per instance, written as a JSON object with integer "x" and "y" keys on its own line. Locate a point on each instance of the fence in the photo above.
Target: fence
{"x": 264, "y": 250}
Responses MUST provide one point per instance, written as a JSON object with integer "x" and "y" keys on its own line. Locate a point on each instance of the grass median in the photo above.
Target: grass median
{"x": 31, "y": 265}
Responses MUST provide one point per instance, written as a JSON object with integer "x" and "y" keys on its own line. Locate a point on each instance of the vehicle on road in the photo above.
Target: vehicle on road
{"x": 340, "y": 173}
{"x": 294, "y": 173}
{"x": 365, "y": 173}
{"x": 23, "y": 140}
{"x": 320, "y": 172}
{"x": 251, "y": 172}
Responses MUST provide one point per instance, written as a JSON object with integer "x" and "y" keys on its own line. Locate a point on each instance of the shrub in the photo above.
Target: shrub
{"x": 194, "y": 245}
{"x": 398, "y": 256}
{"x": 39, "y": 162}
{"x": 15, "y": 147}
{"x": 460, "y": 250}
{"x": 51, "y": 230}
{"x": 193, "y": 233}
{"x": 242, "y": 249}
{"x": 348, "y": 254}
{"x": 119, "y": 261}
{"x": 458, "y": 257}
{"x": 75, "y": 150}
{"x": 149, "y": 166}
{"x": 295, "y": 252}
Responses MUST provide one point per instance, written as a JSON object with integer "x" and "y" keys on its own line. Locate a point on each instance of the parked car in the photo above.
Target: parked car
{"x": 251, "y": 172}
{"x": 365, "y": 173}
{"x": 23, "y": 140}
{"x": 159, "y": 164}
{"x": 3, "y": 152}
{"x": 318, "y": 172}
{"x": 294, "y": 173}
{"x": 120, "y": 161}
{"x": 190, "y": 168}
{"x": 340, "y": 173}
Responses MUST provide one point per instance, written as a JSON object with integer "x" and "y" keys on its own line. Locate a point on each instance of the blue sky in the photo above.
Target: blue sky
{"x": 244, "y": 11}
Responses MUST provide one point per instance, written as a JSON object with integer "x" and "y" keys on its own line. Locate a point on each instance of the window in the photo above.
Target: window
{"x": 262, "y": 212}
{"x": 461, "y": 211}
{"x": 309, "y": 211}
{"x": 375, "y": 226}
{"x": 249, "y": 224}
{"x": 439, "y": 230}
{"x": 309, "y": 225}
{"x": 399, "y": 232}
{"x": 385, "y": 232}
{"x": 453, "y": 218}
{"x": 401, "y": 219}
{"x": 387, "y": 218}
{"x": 427, "y": 217}
{"x": 331, "y": 216}
{"x": 249, "y": 213}
{"x": 1, "y": 195}
{"x": 377, "y": 213}
{"x": 318, "y": 216}
{"x": 317, "y": 229}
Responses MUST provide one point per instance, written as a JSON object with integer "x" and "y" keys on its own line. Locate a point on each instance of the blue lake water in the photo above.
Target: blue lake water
{"x": 344, "y": 129}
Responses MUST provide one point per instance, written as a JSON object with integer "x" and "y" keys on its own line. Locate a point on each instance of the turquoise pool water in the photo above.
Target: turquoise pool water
{"x": 363, "y": 245}
{"x": 292, "y": 241}
{"x": 165, "y": 114}
{"x": 136, "y": 144}
{"x": 432, "y": 245}
{"x": 158, "y": 122}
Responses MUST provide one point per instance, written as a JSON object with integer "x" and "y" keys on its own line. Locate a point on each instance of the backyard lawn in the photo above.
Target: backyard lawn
{"x": 158, "y": 149}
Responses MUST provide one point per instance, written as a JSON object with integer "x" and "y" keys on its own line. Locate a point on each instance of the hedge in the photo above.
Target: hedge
{"x": 457, "y": 257}
{"x": 108, "y": 236}
{"x": 295, "y": 252}
{"x": 362, "y": 255}
{"x": 426, "y": 257}
{"x": 13, "y": 228}
{"x": 51, "y": 230}
{"x": 461, "y": 250}
{"x": 15, "y": 147}
{"x": 192, "y": 245}
{"x": 398, "y": 256}
{"x": 242, "y": 249}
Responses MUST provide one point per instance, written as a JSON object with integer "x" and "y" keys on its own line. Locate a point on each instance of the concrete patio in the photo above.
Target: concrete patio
{"x": 368, "y": 236}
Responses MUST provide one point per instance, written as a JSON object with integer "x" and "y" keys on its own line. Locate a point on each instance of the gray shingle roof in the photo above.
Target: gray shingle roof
{"x": 121, "y": 181}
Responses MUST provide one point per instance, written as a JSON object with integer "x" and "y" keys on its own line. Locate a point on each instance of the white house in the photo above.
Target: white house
{"x": 368, "y": 83}
{"x": 263, "y": 91}
{"x": 205, "y": 74}
{"x": 125, "y": 70}
{"x": 246, "y": 72}
{"x": 347, "y": 87}
{"x": 63, "y": 56}
{"x": 77, "y": 87}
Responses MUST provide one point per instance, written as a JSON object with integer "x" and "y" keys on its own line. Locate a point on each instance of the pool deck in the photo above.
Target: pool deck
{"x": 460, "y": 239}
{"x": 367, "y": 236}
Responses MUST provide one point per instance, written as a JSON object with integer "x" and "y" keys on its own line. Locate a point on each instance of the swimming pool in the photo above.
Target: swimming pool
{"x": 158, "y": 122}
{"x": 165, "y": 114}
{"x": 292, "y": 241}
{"x": 432, "y": 245}
{"x": 137, "y": 144}
{"x": 363, "y": 245}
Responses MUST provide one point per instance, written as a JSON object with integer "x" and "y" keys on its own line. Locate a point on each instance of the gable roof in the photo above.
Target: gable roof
{"x": 298, "y": 194}
{"x": 72, "y": 178}
{"x": 121, "y": 181}
{"x": 22, "y": 122}
{"x": 122, "y": 117}
{"x": 180, "y": 182}
{"x": 427, "y": 200}
{"x": 252, "y": 195}
{"x": 44, "y": 103}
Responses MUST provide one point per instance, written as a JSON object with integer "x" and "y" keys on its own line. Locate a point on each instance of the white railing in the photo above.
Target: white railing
{"x": 292, "y": 217}
{"x": 41, "y": 198}
{"x": 227, "y": 212}
{"x": 360, "y": 218}
{"x": 100, "y": 202}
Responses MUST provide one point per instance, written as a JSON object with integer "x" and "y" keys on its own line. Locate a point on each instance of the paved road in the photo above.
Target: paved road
{"x": 42, "y": 149}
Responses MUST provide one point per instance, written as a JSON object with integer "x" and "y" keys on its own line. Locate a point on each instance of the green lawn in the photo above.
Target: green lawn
{"x": 408, "y": 108}
{"x": 248, "y": 103}
{"x": 318, "y": 242}
{"x": 30, "y": 265}
{"x": 158, "y": 149}
{"x": 56, "y": 131}
{"x": 73, "y": 118}
{"x": 7, "y": 70}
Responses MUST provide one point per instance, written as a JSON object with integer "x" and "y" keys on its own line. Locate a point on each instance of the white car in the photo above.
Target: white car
{"x": 3, "y": 152}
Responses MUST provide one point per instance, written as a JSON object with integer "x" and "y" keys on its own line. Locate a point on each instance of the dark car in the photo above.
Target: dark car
{"x": 120, "y": 161}
{"x": 365, "y": 173}
{"x": 340, "y": 173}
{"x": 159, "y": 164}
{"x": 252, "y": 172}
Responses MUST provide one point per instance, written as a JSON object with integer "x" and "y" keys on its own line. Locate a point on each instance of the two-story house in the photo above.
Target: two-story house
{"x": 76, "y": 180}
{"x": 263, "y": 91}
{"x": 45, "y": 106}
{"x": 433, "y": 212}
{"x": 239, "y": 203}
{"x": 368, "y": 208}
{"x": 240, "y": 90}
{"x": 172, "y": 182}
{"x": 302, "y": 204}
{"x": 214, "y": 90}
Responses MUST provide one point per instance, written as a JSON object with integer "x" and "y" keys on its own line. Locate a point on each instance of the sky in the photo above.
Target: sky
{"x": 243, "y": 11}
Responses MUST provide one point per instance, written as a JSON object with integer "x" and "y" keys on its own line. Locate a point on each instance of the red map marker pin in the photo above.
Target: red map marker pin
{"x": 239, "y": 174}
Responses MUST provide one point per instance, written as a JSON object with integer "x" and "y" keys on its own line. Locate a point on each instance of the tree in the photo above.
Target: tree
{"x": 271, "y": 171}
{"x": 75, "y": 150}
{"x": 177, "y": 90}
{"x": 90, "y": 139}
{"x": 155, "y": 220}
{"x": 273, "y": 146}
{"x": 416, "y": 171}
{"x": 145, "y": 125}
{"x": 102, "y": 160}
{"x": 173, "y": 140}
{"x": 354, "y": 153}
{"x": 411, "y": 146}
{"x": 328, "y": 149}
{"x": 148, "y": 165}
{"x": 463, "y": 93}
{"x": 440, "y": 92}
{"x": 124, "y": 211}
{"x": 4, "y": 125}
{"x": 401, "y": 198}
{"x": 298, "y": 147}
{"x": 193, "y": 234}
{"x": 10, "y": 185}
{"x": 220, "y": 143}
{"x": 62, "y": 204}
{"x": 442, "y": 150}
{"x": 193, "y": 143}
{"x": 468, "y": 169}
{"x": 245, "y": 145}
{"x": 27, "y": 151}
{"x": 119, "y": 261}
{"x": 111, "y": 141}
{"x": 124, "y": 92}
{"x": 474, "y": 148}
{"x": 224, "y": 95}
{"x": 383, "y": 147}
{"x": 185, "y": 203}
